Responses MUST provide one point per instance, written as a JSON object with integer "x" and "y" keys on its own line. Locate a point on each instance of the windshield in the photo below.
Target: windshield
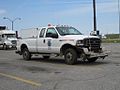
{"x": 9, "y": 35}
{"x": 68, "y": 31}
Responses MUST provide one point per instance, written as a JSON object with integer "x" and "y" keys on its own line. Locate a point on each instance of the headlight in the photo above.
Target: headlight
{"x": 79, "y": 43}
{"x": 14, "y": 41}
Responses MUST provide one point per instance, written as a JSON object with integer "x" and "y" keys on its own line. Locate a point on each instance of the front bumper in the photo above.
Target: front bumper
{"x": 10, "y": 45}
{"x": 101, "y": 54}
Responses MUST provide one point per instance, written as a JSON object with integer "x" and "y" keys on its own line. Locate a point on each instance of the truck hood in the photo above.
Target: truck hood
{"x": 78, "y": 37}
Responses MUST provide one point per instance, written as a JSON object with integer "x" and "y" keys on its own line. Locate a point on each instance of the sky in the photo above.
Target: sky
{"x": 76, "y": 13}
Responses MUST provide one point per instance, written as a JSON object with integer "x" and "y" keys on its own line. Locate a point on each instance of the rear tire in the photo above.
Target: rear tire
{"x": 70, "y": 56}
{"x": 26, "y": 54}
{"x": 90, "y": 60}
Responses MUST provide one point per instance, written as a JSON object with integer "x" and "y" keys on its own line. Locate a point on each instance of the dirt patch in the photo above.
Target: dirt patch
{"x": 35, "y": 69}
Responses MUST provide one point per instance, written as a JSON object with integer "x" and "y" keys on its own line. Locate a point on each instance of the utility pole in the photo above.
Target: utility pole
{"x": 94, "y": 13}
{"x": 119, "y": 17}
{"x": 95, "y": 32}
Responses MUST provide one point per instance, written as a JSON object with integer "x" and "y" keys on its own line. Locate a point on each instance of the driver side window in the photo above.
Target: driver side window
{"x": 50, "y": 31}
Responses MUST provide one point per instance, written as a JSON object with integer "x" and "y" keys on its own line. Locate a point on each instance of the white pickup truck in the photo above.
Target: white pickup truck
{"x": 61, "y": 41}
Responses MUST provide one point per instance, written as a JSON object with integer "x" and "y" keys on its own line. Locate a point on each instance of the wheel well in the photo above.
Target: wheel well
{"x": 23, "y": 46}
{"x": 66, "y": 46}
{"x": 4, "y": 43}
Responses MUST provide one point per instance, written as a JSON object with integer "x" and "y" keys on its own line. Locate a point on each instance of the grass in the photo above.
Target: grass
{"x": 111, "y": 40}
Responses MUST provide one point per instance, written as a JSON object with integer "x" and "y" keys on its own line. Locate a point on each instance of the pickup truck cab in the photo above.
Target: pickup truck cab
{"x": 62, "y": 41}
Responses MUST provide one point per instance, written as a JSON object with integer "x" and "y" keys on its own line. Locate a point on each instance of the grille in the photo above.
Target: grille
{"x": 14, "y": 41}
{"x": 93, "y": 44}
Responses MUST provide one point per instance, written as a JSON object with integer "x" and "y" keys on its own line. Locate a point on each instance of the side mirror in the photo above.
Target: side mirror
{"x": 54, "y": 36}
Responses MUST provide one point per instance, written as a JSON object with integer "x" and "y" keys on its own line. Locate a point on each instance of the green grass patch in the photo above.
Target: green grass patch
{"x": 111, "y": 40}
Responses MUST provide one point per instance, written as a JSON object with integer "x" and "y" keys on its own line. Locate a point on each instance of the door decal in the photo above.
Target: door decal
{"x": 49, "y": 44}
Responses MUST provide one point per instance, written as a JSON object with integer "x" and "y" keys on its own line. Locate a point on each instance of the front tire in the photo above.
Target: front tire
{"x": 70, "y": 56}
{"x": 5, "y": 47}
{"x": 26, "y": 54}
{"x": 90, "y": 60}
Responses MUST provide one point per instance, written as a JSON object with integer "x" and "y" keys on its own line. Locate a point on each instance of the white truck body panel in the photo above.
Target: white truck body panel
{"x": 28, "y": 33}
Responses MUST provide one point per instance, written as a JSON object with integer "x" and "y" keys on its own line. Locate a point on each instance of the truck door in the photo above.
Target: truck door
{"x": 48, "y": 43}
{"x": 52, "y": 41}
{"x": 41, "y": 43}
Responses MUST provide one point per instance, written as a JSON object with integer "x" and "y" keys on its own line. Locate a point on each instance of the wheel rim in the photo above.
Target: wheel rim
{"x": 83, "y": 57}
{"x": 69, "y": 56}
{"x": 4, "y": 46}
{"x": 25, "y": 54}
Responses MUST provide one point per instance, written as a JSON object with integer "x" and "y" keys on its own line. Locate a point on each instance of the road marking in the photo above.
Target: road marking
{"x": 21, "y": 79}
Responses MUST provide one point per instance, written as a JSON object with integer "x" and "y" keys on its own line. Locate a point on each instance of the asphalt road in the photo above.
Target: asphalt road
{"x": 53, "y": 74}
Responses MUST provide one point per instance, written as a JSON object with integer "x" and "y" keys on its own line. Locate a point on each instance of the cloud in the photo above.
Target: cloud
{"x": 66, "y": 2}
{"x": 106, "y": 7}
{"x": 110, "y": 7}
{"x": 2, "y": 11}
{"x": 73, "y": 11}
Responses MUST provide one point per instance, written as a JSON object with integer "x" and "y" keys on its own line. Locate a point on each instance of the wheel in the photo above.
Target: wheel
{"x": 90, "y": 60}
{"x": 46, "y": 57}
{"x": 26, "y": 54}
{"x": 5, "y": 47}
{"x": 83, "y": 57}
{"x": 70, "y": 56}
